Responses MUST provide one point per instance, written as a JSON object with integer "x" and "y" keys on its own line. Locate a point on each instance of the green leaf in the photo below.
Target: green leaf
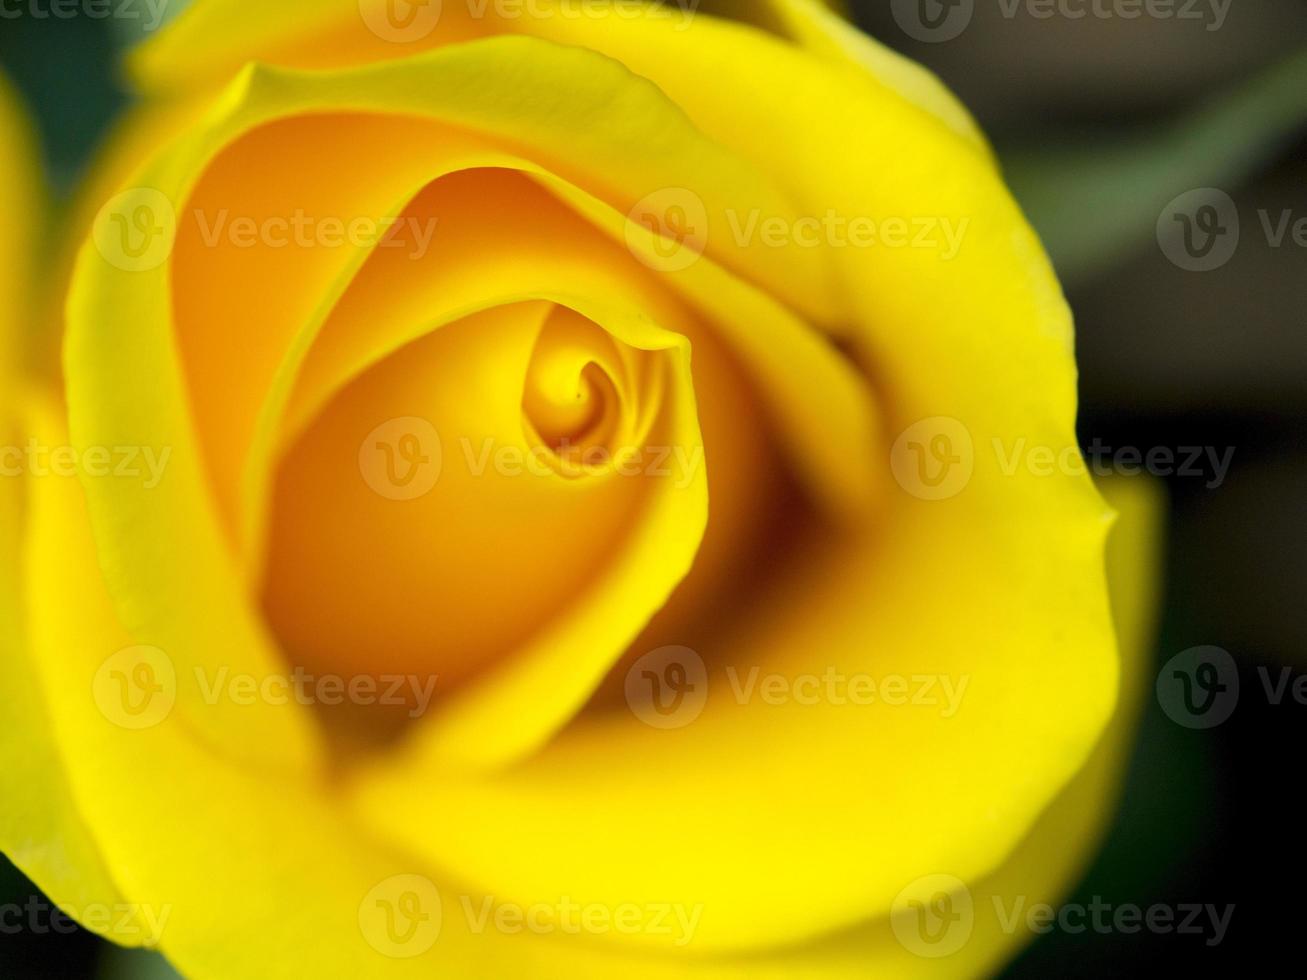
{"x": 134, "y": 964}
{"x": 1094, "y": 201}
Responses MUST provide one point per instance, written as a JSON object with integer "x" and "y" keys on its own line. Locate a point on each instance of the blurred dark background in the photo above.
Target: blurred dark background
{"x": 1101, "y": 123}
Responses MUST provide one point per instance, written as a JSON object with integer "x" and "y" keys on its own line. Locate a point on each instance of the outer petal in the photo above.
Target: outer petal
{"x": 816, "y": 27}
{"x": 41, "y": 829}
{"x": 235, "y": 31}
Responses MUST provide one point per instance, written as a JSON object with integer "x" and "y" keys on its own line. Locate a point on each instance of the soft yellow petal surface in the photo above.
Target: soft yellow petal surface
{"x": 816, "y": 27}
{"x": 41, "y": 828}
{"x": 175, "y": 510}
{"x": 1017, "y": 602}
{"x": 243, "y": 910}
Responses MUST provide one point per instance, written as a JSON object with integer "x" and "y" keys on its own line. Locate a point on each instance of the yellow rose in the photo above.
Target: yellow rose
{"x": 546, "y": 505}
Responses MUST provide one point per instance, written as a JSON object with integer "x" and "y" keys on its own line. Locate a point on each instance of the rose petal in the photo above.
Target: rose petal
{"x": 1016, "y": 601}
{"x": 42, "y": 830}
{"x": 244, "y": 909}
